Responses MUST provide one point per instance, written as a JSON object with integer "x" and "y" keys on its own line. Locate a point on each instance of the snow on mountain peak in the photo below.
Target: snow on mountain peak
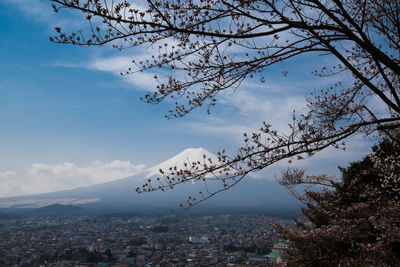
{"x": 188, "y": 155}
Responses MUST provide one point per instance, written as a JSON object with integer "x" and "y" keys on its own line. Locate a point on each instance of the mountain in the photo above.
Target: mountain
{"x": 119, "y": 195}
{"x": 186, "y": 156}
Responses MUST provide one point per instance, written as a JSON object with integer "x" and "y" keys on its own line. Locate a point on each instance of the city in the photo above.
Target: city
{"x": 222, "y": 240}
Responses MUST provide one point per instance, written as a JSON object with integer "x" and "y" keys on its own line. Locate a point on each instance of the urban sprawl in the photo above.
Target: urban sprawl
{"x": 223, "y": 240}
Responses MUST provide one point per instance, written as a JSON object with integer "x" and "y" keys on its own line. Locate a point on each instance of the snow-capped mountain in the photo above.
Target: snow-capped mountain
{"x": 186, "y": 156}
{"x": 121, "y": 193}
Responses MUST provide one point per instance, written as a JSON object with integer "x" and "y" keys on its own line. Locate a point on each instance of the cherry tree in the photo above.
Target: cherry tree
{"x": 209, "y": 46}
{"x": 350, "y": 222}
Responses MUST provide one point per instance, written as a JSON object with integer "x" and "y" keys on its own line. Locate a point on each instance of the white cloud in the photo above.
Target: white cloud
{"x": 114, "y": 65}
{"x": 37, "y": 9}
{"x": 10, "y": 187}
{"x": 120, "y": 64}
{"x": 330, "y": 158}
{"x": 8, "y": 174}
{"x": 245, "y": 110}
{"x": 9, "y": 184}
{"x": 70, "y": 175}
{"x": 44, "y": 177}
{"x": 42, "y": 11}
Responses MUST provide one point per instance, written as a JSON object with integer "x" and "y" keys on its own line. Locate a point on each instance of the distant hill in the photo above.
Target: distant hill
{"x": 259, "y": 195}
{"x": 58, "y": 210}
{"x": 8, "y": 215}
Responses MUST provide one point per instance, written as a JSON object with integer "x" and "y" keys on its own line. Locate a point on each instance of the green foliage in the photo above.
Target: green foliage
{"x": 369, "y": 172}
{"x": 263, "y": 250}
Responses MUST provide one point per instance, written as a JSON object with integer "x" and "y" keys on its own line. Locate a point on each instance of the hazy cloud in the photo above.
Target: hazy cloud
{"x": 44, "y": 177}
{"x": 71, "y": 175}
{"x": 120, "y": 64}
{"x": 244, "y": 111}
{"x": 8, "y": 174}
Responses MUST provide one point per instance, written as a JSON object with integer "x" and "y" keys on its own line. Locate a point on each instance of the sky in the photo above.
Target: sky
{"x": 68, "y": 119}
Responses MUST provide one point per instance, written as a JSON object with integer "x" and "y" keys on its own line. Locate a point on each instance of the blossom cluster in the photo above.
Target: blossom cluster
{"x": 389, "y": 169}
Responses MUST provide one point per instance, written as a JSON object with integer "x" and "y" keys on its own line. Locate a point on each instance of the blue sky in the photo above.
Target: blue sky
{"x": 68, "y": 119}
